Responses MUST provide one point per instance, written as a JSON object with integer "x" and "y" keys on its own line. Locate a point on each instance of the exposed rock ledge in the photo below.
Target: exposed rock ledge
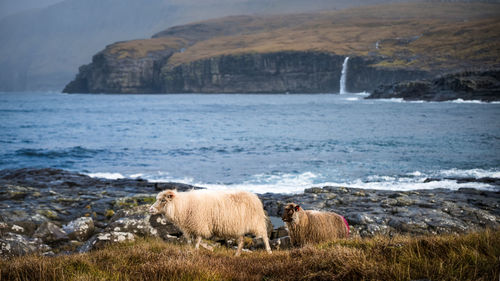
{"x": 49, "y": 211}
{"x": 276, "y": 72}
{"x": 478, "y": 85}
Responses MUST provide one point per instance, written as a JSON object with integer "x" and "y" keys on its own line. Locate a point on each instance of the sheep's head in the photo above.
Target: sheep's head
{"x": 291, "y": 213}
{"x": 162, "y": 200}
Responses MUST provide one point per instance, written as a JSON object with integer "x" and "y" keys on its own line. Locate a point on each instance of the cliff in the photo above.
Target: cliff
{"x": 301, "y": 53}
{"x": 280, "y": 72}
{"x": 478, "y": 85}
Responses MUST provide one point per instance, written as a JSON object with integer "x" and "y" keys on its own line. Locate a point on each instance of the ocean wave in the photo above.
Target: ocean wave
{"x": 401, "y": 100}
{"x": 473, "y": 101}
{"x": 291, "y": 183}
{"x": 109, "y": 176}
{"x": 470, "y": 173}
{"x": 77, "y": 152}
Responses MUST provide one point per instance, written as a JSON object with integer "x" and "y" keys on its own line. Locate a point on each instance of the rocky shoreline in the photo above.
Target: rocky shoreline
{"x": 471, "y": 85}
{"x": 52, "y": 212}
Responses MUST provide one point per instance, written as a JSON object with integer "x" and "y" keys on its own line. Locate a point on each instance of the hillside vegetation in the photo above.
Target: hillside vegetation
{"x": 465, "y": 257}
{"x": 426, "y": 36}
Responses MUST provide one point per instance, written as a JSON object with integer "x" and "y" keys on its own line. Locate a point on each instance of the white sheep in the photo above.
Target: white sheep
{"x": 313, "y": 226}
{"x": 206, "y": 213}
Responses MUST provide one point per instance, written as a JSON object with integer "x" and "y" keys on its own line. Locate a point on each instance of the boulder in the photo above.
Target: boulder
{"x": 50, "y": 233}
{"x": 80, "y": 229}
{"x": 101, "y": 240}
{"x": 281, "y": 243}
{"x": 12, "y": 244}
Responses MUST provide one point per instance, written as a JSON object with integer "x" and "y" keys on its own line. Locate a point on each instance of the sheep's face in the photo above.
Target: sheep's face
{"x": 162, "y": 200}
{"x": 291, "y": 213}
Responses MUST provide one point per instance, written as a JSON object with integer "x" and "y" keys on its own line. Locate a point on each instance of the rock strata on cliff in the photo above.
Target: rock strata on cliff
{"x": 111, "y": 73}
{"x": 479, "y": 85}
{"x": 277, "y": 72}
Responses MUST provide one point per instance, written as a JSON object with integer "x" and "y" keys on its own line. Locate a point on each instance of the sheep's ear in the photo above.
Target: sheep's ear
{"x": 171, "y": 195}
{"x": 297, "y": 208}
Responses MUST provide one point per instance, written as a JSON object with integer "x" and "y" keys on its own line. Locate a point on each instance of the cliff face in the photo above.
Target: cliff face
{"x": 109, "y": 73}
{"x": 294, "y": 72}
{"x": 279, "y": 72}
{"x": 363, "y": 76}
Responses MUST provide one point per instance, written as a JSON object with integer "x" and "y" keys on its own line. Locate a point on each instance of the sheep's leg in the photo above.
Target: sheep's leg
{"x": 266, "y": 242}
{"x": 198, "y": 241}
{"x": 240, "y": 246}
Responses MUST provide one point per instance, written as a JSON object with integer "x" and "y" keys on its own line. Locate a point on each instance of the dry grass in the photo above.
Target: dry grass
{"x": 140, "y": 48}
{"x": 466, "y": 257}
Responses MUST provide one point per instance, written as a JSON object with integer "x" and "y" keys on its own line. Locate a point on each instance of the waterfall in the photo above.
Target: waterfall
{"x": 343, "y": 76}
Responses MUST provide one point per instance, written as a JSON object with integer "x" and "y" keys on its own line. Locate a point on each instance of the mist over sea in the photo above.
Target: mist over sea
{"x": 262, "y": 143}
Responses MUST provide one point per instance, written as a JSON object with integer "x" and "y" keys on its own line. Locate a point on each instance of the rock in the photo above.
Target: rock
{"x": 279, "y": 232}
{"x": 467, "y": 85}
{"x": 137, "y": 220}
{"x": 101, "y": 240}
{"x": 314, "y": 190}
{"x": 360, "y": 218}
{"x": 13, "y": 244}
{"x": 50, "y": 233}
{"x": 164, "y": 228}
{"x": 80, "y": 229}
{"x": 371, "y": 230}
{"x": 281, "y": 243}
{"x": 405, "y": 225}
{"x": 138, "y": 225}
{"x": 13, "y": 227}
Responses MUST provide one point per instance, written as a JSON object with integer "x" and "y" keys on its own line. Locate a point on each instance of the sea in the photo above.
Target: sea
{"x": 280, "y": 143}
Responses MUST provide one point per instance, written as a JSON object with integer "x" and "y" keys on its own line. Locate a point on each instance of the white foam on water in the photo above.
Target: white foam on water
{"x": 405, "y": 184}
{"x": 474, "y": 101}
{"x": 470, "y": 173}
{"x": 109, "y": 176}
{"x": 296, "y": 183}
{"x": 365, "y": 94}
{"x": 399, "y": 100}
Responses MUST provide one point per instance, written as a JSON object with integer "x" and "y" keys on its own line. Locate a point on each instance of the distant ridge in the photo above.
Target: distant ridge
{"x": 301, "y": 52}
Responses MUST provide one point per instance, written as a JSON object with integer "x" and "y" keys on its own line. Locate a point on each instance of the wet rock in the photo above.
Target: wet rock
{"x": 50, "y": 233}
{"x": 80, "y": 229}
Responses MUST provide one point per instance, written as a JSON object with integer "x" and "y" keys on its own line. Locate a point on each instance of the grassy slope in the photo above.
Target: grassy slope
{"x": 466, "y": 257}
{"x": 429, "y": 36}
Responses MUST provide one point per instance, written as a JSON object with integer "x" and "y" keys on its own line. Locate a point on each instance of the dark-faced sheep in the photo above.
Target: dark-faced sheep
{"x": 205, "y": 213}
{"x": 313, "y": 226}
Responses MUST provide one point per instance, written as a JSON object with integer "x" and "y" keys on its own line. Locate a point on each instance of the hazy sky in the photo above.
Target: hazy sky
{"x": 8, "y": 7}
